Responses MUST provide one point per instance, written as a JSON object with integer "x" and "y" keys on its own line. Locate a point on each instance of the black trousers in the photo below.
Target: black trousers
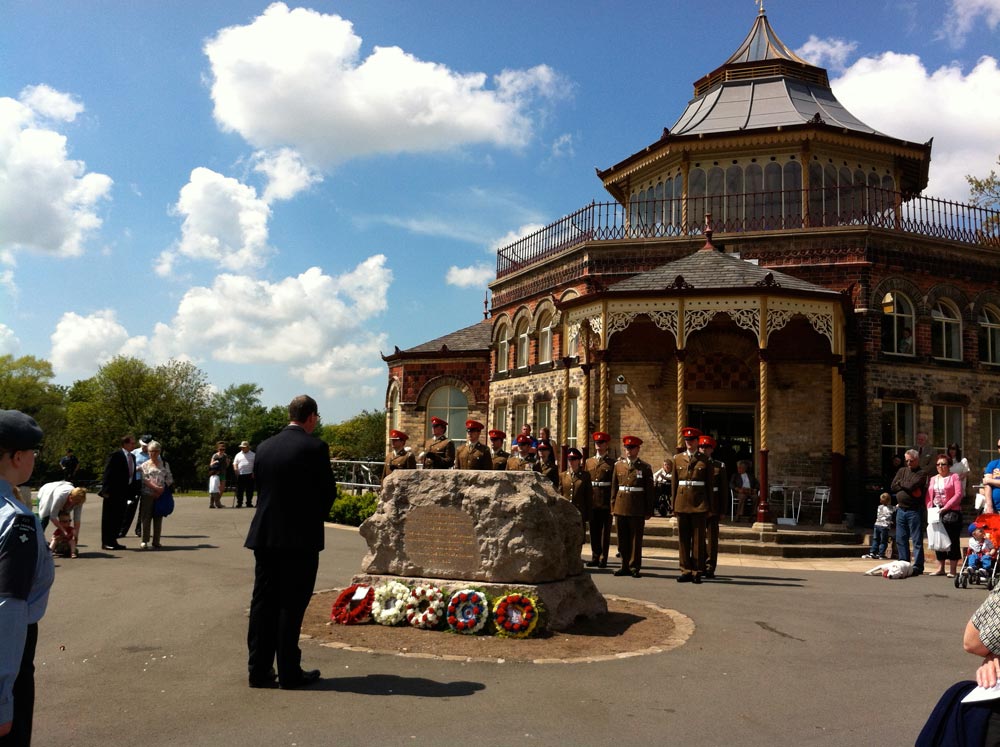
{"x": 129, "y": 511}
{"x": 600, "y": 533}
{"x": 24, "y": 694}
{"x": 283, "y": 585}
{"x": 112, "y": 513}
{"x": 244, "y": 486}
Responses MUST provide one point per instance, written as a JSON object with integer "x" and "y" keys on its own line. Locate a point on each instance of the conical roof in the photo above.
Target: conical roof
{"x": 763, "y": 44}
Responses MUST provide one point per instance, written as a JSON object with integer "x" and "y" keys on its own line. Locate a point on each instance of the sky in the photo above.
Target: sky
{"x": 280, "y": 193}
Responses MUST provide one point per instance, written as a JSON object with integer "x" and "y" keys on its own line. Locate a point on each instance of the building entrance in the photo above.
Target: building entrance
{"x": 732, "y": 427}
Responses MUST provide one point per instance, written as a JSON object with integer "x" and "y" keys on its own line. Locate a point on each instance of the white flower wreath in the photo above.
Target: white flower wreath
{"x": 389, "y": 606}
{"x": 424, "y": 607}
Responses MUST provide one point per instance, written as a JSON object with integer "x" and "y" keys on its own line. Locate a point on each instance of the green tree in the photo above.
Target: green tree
{"x": 985, "y": 193}
{"x": 26, "y": 385}
{"x": 360, "y": 437}
{"x": 238, "y": 413}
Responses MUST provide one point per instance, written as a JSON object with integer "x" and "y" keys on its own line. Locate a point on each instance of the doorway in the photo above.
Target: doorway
{"x": 732, "y": 427}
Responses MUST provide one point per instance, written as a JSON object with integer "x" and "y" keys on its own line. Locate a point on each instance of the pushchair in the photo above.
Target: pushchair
{"x": 990, "y": 524}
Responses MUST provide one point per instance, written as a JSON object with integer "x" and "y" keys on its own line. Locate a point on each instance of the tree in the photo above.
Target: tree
{"x": 360, "y": 437}
{"x": 238, "y": 413}
{"x": 985, "y": 193}
{"x": 25, "y": 385}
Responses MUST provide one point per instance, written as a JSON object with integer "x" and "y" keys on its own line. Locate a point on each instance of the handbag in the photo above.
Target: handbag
{"x": 164, "y": 505}
{"x": 933, "y": 515}
{"x": 937, "y": 537}
{"x": 951, "y": 516}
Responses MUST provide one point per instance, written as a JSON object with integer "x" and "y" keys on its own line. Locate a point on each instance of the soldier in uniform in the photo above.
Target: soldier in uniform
{"x": 720, "y": 494}
{"x": 439, "y": 451}
{"x": 600, "y": 468}
{"x": 545, "y": 464}
{"x": 632, "y": 505}
{"x": 472, "y": 454}
{"x": 400, "y": 455}
{"x": 693, "y": 474}
{"x": 574, "y": 485}
{"x": 523, "y": 458}
{"x": 497, "y": 454}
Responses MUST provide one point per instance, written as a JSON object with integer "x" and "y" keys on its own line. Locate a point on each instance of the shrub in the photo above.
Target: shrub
{"x": 352, "y": 509}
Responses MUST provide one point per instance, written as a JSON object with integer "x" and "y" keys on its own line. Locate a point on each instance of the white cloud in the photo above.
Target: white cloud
{"x": 829, "y": 53}
{"x": 476, "y": 276}
{"x": 298, "y": 321}
{"x": 9, "y": 344}
{"x": 48, "y": 202}
{"x": 963, "y": 15}
{"x": 348, "y": 369}
{"x": 562, "y": 147}
{"x": 224, "y": 222}
{"x": 896, "y": 94}
{"x": 295, "y": 78}
{"x": 81, "y": 344}
{"x": 511, "y": 236}
{"x": 286, "y": 173}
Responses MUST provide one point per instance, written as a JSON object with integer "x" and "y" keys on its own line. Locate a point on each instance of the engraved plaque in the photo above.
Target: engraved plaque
{"x": 442, "y": 541}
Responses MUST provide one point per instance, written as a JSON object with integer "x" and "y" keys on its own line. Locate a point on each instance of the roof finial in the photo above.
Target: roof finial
{"x": 760, "y": 6}
{"x": 486, "y": 305}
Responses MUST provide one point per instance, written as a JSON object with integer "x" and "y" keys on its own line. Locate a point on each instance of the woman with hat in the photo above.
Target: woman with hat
{"x": 156, "y": 477}
{"x": 26, "y": 575}
{"x": 498, "y": 456}
{"x": 400, "y": 455}
{"x": 546, "y": 465}
{"x": 574, "y": 485}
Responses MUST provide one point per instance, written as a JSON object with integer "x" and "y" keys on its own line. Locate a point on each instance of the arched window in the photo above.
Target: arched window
{"x": 448, "y": 403}
{"x": 696, "y": 200}
{"x": 946, "y": 331}
{"x": 755, "y": 196}
{"x": 734, "y": 198}
{"x": 503, "y": 349}
{"x": 772, "y": 195}
{"x": 792, "y": 185}
{"x": 897, "y": 324}
{"x": 716, "y": 188}
{"x": 989, "y": 335}
{"x": 394, "y": 408}
{"x": 521, "y": 354}
{"x": 545, "y": 338}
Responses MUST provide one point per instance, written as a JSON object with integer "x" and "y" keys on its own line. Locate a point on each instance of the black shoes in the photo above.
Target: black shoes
{"x": 709, "y": 574}
{"x": 696, "y": 579}
{"x": 306, "y": 677}
{"x": 685, "y": 578}
{"x": 591, "y": 564}
{"x": 603, "y": 564}
{"x": 622, "y": 572}
{"x": 636, "y": 574}
{"x": 115, "y": 546}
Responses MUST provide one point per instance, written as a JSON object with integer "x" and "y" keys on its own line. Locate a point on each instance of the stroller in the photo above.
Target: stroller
{"x": 990, "y": 524}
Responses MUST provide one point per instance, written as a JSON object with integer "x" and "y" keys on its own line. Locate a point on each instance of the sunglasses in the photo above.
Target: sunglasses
{"x": 942, "y": 464}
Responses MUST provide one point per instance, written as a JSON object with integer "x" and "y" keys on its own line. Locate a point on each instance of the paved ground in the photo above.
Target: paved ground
{"x": 148, "y": 648}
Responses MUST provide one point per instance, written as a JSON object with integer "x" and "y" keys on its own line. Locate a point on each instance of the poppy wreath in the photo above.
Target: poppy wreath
{"x": 389, "y": 605}
{"x": 424, "y": 607}
{"x": 468, "y": 611}
{"x": 515, "y": 616}
{"x": 350, "y": 611}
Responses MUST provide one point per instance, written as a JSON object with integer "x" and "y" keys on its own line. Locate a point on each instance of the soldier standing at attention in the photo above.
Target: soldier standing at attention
{"x": 546, "y": 465}
{"x": 497, "y": 454}
{"x": 632, "y": 488}
{"x": 574, "y": 485}
{"x": 473, "y": 455}
{"x": 523, "y": 458}
{"x": 400, "y": 455}
{"x": 692, "y": 498}
{"x": 600, "y": 468}
{"x": 439, "y": 451}
{"x": 720, "y": 489}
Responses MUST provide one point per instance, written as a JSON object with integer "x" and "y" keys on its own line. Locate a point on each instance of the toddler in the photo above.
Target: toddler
{"x": 64, "y": 538}
{"x": 980, "y": 549}
{"x": 880, "y": 533}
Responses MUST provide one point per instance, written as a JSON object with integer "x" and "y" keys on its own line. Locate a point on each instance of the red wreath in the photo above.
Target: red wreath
{"x": 350, "y": 611}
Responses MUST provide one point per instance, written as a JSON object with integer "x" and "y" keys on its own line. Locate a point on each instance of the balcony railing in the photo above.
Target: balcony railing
{"x": 755, "y": 212}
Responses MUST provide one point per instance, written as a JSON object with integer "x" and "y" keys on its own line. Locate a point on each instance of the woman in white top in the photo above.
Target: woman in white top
{"x": 155, "y": 478}
{"x": 959, "y": 465}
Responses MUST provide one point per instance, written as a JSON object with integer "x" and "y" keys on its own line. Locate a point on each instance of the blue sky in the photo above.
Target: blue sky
{"x": 280, "y": 192}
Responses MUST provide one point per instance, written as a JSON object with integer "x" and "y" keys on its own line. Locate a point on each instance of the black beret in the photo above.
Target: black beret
{"x": 18, "y": 431}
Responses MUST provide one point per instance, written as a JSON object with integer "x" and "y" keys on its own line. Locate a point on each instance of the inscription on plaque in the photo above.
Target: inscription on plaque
{"x": 442, "y": 540}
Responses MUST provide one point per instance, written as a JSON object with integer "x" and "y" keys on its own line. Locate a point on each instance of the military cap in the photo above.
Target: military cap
{"x": 397, "y": 436}
{"x": 601, "y": 437}
{"x": 438, "y": 421}
{"x": 523, "y": 439}
{"x": 574, "y": 454}
{"x": 632, "y": 441}
{"x": 473, "y": 425}
{"x": 706, "y": 441}
{"x": 18, "y": 432}
{"x": 494, "y": 435}
{"x": 690, "y": 432}
{"x": 544, "y": 444}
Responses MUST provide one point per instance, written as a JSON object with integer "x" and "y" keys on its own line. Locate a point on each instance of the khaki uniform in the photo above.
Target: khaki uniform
{"x": 600, "y": 469}
{"x": 548, "y": 470}
{"x": 575, "y": 488}
{"x": 717, "y": 506}
{"x": 399, "y": 460}
{"x": 499, "y": 459}
{"x": 520, "y": 463}
{"x": 473, "y": 456}
{"x": 632, "y": 504}
{"x": 693, "y": 480}
{"x": 439, "y": 453}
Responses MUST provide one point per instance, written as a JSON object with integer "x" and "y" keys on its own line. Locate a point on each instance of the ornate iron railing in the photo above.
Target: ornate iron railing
{"x": 755, "y": 212}
{"x": 359, "y": 476}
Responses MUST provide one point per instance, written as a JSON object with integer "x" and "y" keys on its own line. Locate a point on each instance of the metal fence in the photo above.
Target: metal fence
{"x": 359, "y": 476}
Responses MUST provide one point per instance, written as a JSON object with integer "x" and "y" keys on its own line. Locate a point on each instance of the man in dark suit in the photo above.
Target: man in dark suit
{"x": 116, "y": 488}
{"x": 295, "y": 490}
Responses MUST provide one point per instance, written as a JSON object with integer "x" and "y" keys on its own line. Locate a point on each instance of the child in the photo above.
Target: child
{"x": 880, "y": 534}
{"x": 64, "y": 538}
{"x": 980, "y": 550}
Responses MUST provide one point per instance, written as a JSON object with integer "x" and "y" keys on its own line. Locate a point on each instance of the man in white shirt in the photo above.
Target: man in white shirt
{"x": 243, "y": 466}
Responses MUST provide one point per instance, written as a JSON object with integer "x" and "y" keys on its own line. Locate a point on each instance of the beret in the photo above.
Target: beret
{"x": 18, "y": 431}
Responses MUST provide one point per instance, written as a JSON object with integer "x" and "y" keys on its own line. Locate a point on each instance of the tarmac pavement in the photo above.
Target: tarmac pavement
{"x": 149, "y": 648}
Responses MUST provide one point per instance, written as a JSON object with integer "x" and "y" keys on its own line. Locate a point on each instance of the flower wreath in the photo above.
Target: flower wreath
{"x": 515, "y": 615}
{"x": 424, "y": 607}
{"x": 389, "y": 605}
{"x": 349, "y": 610}
{"x": 468, "y": 611}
